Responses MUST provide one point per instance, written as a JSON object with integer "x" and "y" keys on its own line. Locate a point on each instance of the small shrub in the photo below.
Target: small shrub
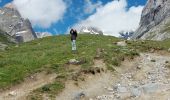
{"x": 45, "y": 88}
{"x": 166, "y": 62}
{"x": 168, "y": 65}
{"x": 54, "y": 88}
{"x": 116, "y": 62}
{"x": 110, "y": 67}
{"x": 153, "y": 60}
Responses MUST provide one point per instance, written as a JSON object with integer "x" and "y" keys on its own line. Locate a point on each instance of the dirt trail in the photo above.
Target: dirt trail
{"x": 91, "y": 87}
{"x": 145, "y": 78}
{"x": 20, "y": 92}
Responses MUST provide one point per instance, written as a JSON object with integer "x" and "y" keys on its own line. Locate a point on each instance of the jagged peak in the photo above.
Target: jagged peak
{"x": 90, "y": 29}
{"x": 10, "y": 5}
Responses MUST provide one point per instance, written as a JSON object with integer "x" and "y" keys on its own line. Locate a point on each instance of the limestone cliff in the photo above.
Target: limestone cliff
{"x": 155, "y": 21}
{"x": 14, "y": 25}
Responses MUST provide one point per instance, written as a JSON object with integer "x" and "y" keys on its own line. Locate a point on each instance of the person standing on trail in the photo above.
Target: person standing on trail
{"x": 73, "y": 34}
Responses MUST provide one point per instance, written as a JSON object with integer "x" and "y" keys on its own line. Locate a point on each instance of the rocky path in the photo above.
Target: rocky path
{"x": 22, "y": 90}
{"x": 147, "y": 79}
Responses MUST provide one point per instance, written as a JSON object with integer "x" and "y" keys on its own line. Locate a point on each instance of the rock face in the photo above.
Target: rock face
{"x": 14, "y": 25}
{"x": 91, "y": 30}
{"x": 5, "y": 39}
{"x": 155, "y": 21}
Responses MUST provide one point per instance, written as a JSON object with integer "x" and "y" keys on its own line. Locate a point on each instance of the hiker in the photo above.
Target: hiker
{"x": 73, "y": 34}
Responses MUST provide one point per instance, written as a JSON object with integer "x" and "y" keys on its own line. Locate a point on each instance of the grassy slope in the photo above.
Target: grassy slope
{"x": 52, "y": 53}
{"x": 48, "y": 53}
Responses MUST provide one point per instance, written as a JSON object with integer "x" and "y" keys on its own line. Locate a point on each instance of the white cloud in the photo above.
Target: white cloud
{"x": 90, "y": 7}
{"x": 113, "y": 18}
{"x": 42, "y": 13}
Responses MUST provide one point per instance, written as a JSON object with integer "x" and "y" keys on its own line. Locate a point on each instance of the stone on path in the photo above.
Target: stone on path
{"x": 150, "y": 88}
{"x": 136, "y": 92}
{"x": 169, "y": 50}
{"x": 122, "y": 89}
{"x": 79, "y": 96}
{"x": 12, "y": 93}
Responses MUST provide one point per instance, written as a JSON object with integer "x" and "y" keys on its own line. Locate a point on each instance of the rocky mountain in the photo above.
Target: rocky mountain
{"x": 43, "y": 34}
{"x": 155, "y": 21}
{"x": 14, "y": 25}
{"x": 91, "y": 30}
{"x": 126, "y": 34}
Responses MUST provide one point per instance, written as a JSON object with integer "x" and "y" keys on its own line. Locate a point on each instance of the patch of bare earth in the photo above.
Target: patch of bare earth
{"x": 144, "y": 78}
{"x": 20, "y": 91}
{"x": 91, "y": 86}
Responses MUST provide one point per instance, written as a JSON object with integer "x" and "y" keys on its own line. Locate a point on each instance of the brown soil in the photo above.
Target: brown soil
{"x": 20, "y": 91}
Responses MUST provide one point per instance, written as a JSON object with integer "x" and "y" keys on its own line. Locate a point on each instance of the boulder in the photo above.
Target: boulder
{"x": 121, "y": 43}
{"x": 150, "y": 88}
{"x": 73, "y": 61}
{"x": 12, "y": 93}
{"x": 122, "y": 89}
{"x": 79, "y": 96}
{"x": 169, "y": 50}
{"x": 77, "y": 62}
{"x": 136, "y": 92}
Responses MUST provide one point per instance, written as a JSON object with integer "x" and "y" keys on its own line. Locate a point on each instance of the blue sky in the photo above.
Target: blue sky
{"x": 71, "y": 13}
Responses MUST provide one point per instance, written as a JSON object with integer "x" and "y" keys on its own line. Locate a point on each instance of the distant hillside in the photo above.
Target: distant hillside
{"x": 155, "y": 21}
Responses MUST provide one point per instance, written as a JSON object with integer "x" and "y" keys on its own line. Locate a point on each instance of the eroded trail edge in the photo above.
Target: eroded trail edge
{"x": 20, "y": 91}
{"x": 144, "y": 78}
{"x": 147, "y": 79}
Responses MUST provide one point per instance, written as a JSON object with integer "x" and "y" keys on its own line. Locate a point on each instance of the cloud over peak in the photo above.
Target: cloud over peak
{"x": 113, "y": 18}
{"x": 42, "y": 13}
{"x": 90, "y": 7}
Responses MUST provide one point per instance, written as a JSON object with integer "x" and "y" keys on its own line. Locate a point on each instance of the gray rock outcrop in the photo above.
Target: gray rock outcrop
{"x": 5, "y": 39}
{"x": 14, "y": 25}
{"x": 155, "y": 21}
